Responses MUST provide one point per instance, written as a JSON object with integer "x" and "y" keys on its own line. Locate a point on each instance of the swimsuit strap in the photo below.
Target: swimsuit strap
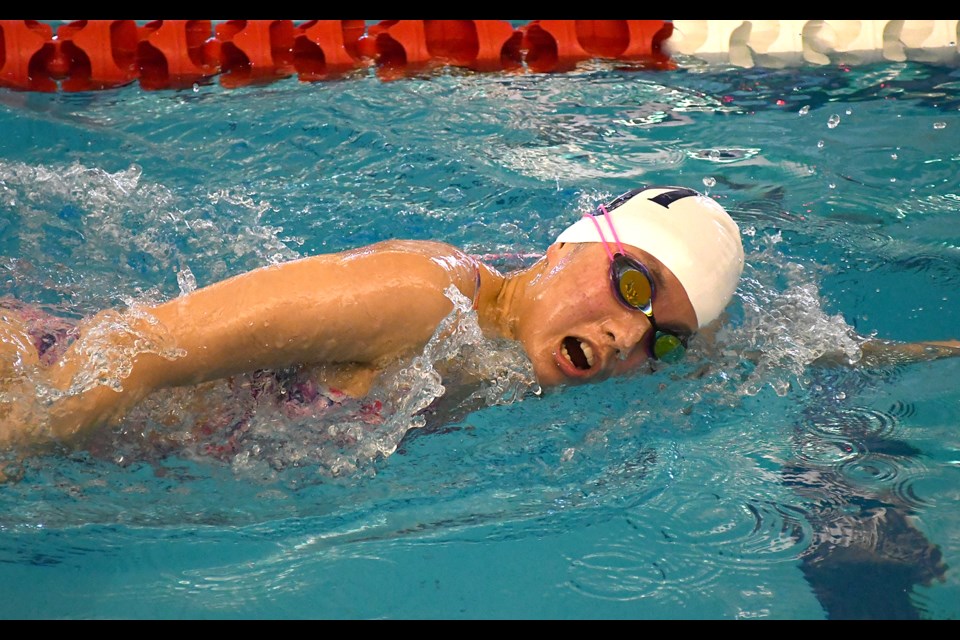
{"x": 476, "y": 291}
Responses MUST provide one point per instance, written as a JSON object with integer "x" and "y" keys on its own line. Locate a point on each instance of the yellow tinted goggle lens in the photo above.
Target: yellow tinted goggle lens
{"x": 668, "y": 347}
{"x": 635, "y": 289}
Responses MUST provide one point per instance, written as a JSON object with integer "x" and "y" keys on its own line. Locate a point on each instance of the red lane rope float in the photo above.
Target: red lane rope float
{"x": 324, "y": 49}
{"x": 626, "y": 39}
{"x": 176, "y": 54}
{"x": 25, "y": 49}
{"x": 559, "y": 45}
{"x": 255, "y": 51}
{"x": 410, "y": 46}
{"x": 97, "y": 54}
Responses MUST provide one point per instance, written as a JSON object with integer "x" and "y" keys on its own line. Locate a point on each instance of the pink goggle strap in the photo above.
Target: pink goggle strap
{"x": 613, "y": 231}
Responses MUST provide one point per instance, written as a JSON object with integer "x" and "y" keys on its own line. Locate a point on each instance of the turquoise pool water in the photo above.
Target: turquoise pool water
{"x": 770, "y": 490}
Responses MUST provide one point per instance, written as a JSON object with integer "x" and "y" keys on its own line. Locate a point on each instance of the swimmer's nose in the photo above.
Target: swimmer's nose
{"x": 626, "y": 335}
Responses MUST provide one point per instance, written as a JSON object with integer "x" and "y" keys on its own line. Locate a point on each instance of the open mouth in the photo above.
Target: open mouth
{"x": 579, "y": 353}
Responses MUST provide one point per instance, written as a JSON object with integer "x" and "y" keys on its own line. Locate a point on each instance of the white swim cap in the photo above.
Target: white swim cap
{"x": 685, "y": 230}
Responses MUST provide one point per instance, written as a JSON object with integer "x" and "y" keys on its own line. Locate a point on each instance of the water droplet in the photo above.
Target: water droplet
{"x": 833, "y": 121}
{"x": 186, "y": 280}
{"x": 452, "y": 194}
{"x": 939, "y": 125}
{"x": 848, "y": 111}
{"x": 832, "y": 185}
{"x": 893, "y": 156}
{"x": 709, "y": 182}
{"x": 819, "y": 144}
{"x": 196, "y": 87}
{"x": 804, "y": 110}
{"x": 780, "y": 387}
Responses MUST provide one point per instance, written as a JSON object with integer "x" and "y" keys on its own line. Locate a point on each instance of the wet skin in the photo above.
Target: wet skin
{"x": 350, "y": 315}
{"x": 575, "y": 329}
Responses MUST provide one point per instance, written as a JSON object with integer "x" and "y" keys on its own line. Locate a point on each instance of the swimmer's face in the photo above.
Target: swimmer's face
{"x": 575, "y": 329}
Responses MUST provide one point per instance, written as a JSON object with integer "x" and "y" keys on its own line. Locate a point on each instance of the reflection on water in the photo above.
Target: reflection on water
{"x": 741, "y": 483}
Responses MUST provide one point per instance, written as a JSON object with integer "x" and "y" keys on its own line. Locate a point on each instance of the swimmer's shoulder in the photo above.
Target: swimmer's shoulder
{"x": 456, "y": 266}
{"x": 435, "y": 253}
{"x": 426, "y": 248}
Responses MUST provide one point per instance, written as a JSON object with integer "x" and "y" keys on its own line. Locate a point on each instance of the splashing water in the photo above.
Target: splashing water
{"x": 186, "y": 280}
{"x": 106, "y": 362}
{"x": 266, "y": 424}
{"x": 26, "y": 392}
{"x": 123, "y": 229}
{"x": 783, "y": 330}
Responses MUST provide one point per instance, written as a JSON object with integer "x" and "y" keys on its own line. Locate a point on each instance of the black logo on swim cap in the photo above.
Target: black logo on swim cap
{"x": 675, "y": 193}
{"x": 663, "y": 199}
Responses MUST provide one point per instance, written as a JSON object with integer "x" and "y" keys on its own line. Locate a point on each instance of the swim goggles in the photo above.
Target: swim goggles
{"x": 633, "y": 287}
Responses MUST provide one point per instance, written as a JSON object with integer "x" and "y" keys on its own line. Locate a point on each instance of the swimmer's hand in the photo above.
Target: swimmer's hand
{"x": 878, "y": 353}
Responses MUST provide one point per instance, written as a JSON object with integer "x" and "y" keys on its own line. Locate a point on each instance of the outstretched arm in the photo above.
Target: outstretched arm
{"x": 876, "y": 353}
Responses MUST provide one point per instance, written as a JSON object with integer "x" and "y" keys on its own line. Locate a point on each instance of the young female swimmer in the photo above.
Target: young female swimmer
{"x": 631, "y": 282}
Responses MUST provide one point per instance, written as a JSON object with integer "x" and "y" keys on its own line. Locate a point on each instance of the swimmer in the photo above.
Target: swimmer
{"x": 630, "y": 282}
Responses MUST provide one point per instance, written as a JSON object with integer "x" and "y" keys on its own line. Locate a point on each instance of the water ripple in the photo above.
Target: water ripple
{"x": 624, "y": 573}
